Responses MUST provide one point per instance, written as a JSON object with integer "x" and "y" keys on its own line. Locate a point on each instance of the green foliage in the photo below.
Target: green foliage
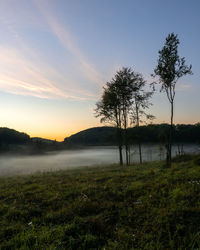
{"x": 136, "y": 207}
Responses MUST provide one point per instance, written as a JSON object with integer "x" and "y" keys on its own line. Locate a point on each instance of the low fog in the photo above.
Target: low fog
{"x": 68, "y": 159}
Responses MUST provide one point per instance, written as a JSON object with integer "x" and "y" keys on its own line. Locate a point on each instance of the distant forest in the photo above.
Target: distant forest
{"x": 18, "y": 142}
{"x": 13, "y": 141}
{"x": 153, "y": 133}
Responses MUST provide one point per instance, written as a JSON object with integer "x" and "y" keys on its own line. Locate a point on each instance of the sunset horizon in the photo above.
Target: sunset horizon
{"x": 55, "y": 59}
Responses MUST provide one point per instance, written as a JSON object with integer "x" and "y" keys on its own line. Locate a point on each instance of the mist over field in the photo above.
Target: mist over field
{"x": 68, "y": 159}
{"x": 52, "y": 161}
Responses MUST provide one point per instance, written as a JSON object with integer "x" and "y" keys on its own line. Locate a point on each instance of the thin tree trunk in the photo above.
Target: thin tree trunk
{"x": 126, "y": 147}
{"x": 139, "y": 142}
{"x": 129, "y": 154}
{"x": 125, "y": 134}
{"x": 119, "y": 133}
{"x": 140, "y": 151}
{"x": 171, "y": 131}
{"x": 120, "y": 156}
{"x": 169, "y": 149}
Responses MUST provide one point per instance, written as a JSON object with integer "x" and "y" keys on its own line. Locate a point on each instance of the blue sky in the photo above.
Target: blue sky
{"x": 55, "y": 57}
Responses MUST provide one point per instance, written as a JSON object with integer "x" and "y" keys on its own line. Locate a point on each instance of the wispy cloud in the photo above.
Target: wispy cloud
{"x": 22, "y": 70}
{"x": 20, "y": 76}
{"x": 69, "y": 42}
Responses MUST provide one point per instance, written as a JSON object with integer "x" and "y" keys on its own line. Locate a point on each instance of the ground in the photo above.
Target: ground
{"x": 137, "y": 207}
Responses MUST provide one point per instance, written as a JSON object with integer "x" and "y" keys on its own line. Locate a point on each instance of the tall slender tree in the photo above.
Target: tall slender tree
{"x": 140, "y": 102}
{"x": 169, "y": 69}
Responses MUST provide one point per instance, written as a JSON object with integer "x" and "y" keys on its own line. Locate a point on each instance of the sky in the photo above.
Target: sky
{"x": 56, "y": 56}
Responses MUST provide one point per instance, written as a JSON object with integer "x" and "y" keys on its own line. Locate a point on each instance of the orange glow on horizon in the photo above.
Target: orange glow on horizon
{"x": 60, "y": 136}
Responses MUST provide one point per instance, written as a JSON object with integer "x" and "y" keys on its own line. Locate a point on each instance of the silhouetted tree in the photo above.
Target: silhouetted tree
{"x": 109, "y": 109}
{"x": 115, "y": 103}
{"x": 140, "y": 102}
{"x": 169, "y": 69}
{"x": 124, "y": 85}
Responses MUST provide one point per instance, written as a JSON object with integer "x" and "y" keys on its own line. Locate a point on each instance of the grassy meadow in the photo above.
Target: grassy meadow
{"x": 137, "y": 207}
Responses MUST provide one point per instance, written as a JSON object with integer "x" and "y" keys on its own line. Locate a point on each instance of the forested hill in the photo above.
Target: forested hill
{"x": 93, "y": 136}
{"x": 157, "y": 133}
{"x": 106, "y": 136}
{"x": 12, "y": 141}
{"x": 11, "y": 136}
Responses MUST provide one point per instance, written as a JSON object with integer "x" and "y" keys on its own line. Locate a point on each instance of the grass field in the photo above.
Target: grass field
{"x": 136, "y": 207}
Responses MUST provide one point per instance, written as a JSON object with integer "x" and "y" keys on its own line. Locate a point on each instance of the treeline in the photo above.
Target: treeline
{"x": 19, "y": 142}
{"x": 158, "y": 132}
{"x": 152, "y": 133}
{"x": 12, "y": 141}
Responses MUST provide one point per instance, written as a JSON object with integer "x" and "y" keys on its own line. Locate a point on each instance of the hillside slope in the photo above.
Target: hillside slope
{"x": 93, "y": 136}
{"x": 156, "y": 133}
